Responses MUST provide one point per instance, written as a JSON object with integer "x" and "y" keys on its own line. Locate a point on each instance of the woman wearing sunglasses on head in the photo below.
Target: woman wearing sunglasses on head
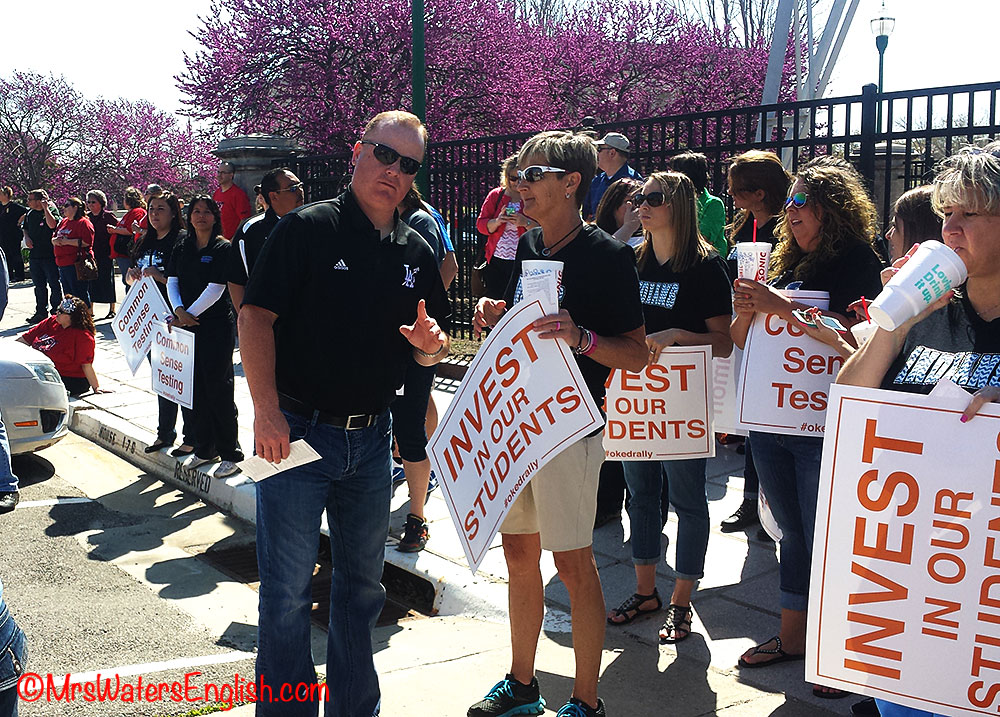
{"x": 67, "y": 338}
{"x": 687, "y": 301}
{"x": 826, "y": 245}
{"x": 600, "y": 318}
{"x": 503, "y": 222}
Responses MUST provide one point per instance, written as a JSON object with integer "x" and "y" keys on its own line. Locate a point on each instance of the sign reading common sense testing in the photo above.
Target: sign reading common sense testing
{"x": 173, "y": 364}
{"x": 904, "y": 599}
{"x": 664, "y": 412}
{"x": 786, "y": 375}
{"x": 522, "y": 401}
{"x": 133, "y": 323}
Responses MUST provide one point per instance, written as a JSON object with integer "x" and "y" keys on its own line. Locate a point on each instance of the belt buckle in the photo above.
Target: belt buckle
{"x": 363, "y": 421}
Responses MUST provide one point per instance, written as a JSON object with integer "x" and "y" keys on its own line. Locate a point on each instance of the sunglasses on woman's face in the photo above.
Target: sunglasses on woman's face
{"x": 388, "y": 156}
{"x": 536, "y": 172}
{"x": 799, "y": 199}
{"x": 653, "y": 199}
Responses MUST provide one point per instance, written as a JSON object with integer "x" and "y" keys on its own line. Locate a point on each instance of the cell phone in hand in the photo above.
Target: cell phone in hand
{"x": 827, "y": 321}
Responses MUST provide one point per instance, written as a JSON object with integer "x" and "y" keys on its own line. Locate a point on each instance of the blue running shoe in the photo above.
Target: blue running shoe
{"x": 431, "y": 485}
{"x": 398, "y": 476}
{"x": 508, "y": 698}
{"x": 576, "y": 708}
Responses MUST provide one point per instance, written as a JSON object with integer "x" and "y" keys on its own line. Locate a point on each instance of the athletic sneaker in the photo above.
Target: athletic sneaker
{"x": 226, "y": 469}
{"x": 398, "y": 476}
{"x": 431, "y": 485}
{"x": 576, "y": 708}
{"x": 508, "y": 698}
{"x": 415, "y": 535}
{"x": 196, "y": 461}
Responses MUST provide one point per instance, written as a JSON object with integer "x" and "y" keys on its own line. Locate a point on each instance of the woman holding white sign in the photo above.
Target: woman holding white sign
{"x": 196, "y": 285}
{"x": 150, "y": 257}
{"x": 684, "y": 288}
{"x": 826, "y": 245}
{"x": 962, "y": 341}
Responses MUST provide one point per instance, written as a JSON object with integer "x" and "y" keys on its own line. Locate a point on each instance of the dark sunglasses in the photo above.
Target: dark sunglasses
{"x": 799, "y": 199}
{"x": 388, "y": 156}
{"x": 536, "y": 172}
{"x": 291, "y": 188}
{"x": 653, "y": 199}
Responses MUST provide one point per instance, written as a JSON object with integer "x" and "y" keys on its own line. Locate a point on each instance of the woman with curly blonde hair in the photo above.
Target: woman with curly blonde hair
{"x": 826, "y": 245}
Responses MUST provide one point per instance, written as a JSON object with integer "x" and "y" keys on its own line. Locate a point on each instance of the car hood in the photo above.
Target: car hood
{"x": 13, "y": 357}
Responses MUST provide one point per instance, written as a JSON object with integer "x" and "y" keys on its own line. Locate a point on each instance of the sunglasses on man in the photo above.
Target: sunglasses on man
{"x": 388, "y": 156}
{"x": 653, "y": 199}
{"x": 799, "y": 199}
{"x": 536, "y": 172}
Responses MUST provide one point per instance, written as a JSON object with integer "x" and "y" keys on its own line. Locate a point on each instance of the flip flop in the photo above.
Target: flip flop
{"x": 781, "y": 655}
{"x": 829, "y": 693}
{"x": 631, "y": 605}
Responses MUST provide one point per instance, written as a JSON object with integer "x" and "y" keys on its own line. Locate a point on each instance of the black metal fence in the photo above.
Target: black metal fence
{"x": 894, "y": 139}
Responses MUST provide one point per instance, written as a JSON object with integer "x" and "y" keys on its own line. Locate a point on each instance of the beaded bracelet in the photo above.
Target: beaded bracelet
{"x": 580, "y": 347}
{"x": 593, "y": 343}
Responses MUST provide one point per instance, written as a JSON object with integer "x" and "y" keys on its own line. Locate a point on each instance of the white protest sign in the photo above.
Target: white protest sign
{"x": 725, "y": 395}
{"x": 904, "y": 600}
{"x": 663, "y": 413}
{"x": 173, "y": 364}
{"x": 786, "y": 375}
{"x": 133, "y": 323}
{"x": 522, "y": 401}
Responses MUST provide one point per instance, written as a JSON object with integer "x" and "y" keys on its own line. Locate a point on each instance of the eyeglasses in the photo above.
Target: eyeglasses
{"x": 799, "y": 199}
{"x": 388, "y": 156}
{"x": 291, "y": 188}
{"x": 653, "y": 199}
{"x": 536, "y": 172}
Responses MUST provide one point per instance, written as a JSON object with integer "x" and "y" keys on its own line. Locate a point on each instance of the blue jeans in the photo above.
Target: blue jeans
{"x": 788, "y": 468}
{"x": 45, "y": 275}
{"x": 8, "y": 481}
{"x": 124, "y": 264}
{"x": 686, "y": 489}
{"x": 13, "y": 656}
{"x": 353, "y": 483}
{"x": 72, "y": 285}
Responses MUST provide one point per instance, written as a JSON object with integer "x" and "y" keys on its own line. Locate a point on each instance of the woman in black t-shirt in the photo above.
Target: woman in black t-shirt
{"x": 687, "y": 301}
{"x": 196, "y": 286}
{"x": 826, "y": 245}
{"x": 149, "y": 257}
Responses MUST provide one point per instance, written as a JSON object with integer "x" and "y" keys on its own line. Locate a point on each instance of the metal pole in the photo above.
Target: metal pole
{"x": 419, "y": 77}
{"x": 881, "y": 42}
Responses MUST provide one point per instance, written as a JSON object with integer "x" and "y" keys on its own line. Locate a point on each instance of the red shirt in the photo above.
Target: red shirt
{"x": 73, "y": 229}
{"x": 69, "y": 349}
{"x": 132, "y": 215}
{"x": 235, "y": 207}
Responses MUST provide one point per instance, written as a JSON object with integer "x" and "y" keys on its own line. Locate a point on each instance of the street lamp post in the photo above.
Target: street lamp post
{"x": 881, "y": 27}
{"x": 419, "y": 81}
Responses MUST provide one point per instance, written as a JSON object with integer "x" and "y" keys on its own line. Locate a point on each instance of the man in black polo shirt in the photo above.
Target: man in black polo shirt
{"x": 282, "y": 192}
{"x": 10, "y": 233}
{"x": 39, "y": 224}
{"x": 342, "y": 295}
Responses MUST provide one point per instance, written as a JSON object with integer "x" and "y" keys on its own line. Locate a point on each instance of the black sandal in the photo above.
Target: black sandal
{"x": 630, "y": 608}
{"x": 781, "y": 655}
{"x": 678, "y": 621}
{"x": 182, "y": 451}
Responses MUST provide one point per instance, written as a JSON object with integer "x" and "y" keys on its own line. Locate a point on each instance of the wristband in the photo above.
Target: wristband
{"x": 427, "y": 355}
{"x": 593, "y": 344}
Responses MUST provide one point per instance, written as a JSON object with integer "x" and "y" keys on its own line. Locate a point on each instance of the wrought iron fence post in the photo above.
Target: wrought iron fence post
{"x": 869, "y": 133}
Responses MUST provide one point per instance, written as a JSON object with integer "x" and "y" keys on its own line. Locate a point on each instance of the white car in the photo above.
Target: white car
{"x": 33, "y": 400}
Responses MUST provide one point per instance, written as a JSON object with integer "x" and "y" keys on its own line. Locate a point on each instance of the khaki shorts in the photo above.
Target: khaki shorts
{"x": 560, "y": 502}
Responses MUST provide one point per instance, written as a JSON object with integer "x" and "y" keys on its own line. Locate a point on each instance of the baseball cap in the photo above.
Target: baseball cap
{"x": 615, "y": 141}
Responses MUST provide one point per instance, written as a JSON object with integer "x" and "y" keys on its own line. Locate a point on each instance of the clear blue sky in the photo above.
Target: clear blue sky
{"x": 936, "y": 42}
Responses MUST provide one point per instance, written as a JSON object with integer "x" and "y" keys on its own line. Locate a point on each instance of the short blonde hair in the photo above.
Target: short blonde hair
{"x": 572, "y": 152}
{"x": 970, "y": 179}
{"x": 407, "y": 119}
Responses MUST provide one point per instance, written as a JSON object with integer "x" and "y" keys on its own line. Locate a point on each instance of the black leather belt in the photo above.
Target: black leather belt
{"x": 351, "y": 423}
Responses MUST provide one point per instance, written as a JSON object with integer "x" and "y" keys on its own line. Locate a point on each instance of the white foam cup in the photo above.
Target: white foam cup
{"x": 752, "y": 258}
{"x": 541, "y": 279}
{"x": 925, "y": 277}
{"x": 864, "y": 331}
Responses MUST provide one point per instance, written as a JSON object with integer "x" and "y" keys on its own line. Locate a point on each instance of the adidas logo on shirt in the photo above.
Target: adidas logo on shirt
{"x": 340, "y": 265}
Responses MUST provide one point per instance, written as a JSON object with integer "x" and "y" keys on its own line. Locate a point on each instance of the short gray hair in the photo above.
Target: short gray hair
{"x": 565, "y": 150}
{"x": 970, "y": 179}
{"x": 99, "y": 196}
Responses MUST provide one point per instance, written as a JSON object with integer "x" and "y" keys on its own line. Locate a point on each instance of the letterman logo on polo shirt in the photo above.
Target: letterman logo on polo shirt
{"x": 926, "y": 366}
{"x": 411, "y": 276}
{"x": 341, "y": 266}
{"x": 654, "y": 293}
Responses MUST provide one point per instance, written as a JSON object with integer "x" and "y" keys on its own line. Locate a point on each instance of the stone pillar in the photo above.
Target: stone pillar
{"x": 253, "y": 156}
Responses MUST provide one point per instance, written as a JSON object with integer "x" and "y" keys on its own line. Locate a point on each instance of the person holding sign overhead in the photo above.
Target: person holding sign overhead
{"x": 826, "y": 245}
{"x": 600, "y": 317}
{"x": 196, "y": 285}
{"x": 686, "y": 301}
{"x": 150, "y": 257}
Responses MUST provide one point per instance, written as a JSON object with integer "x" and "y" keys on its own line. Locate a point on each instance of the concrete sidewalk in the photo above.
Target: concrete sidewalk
{"x": 736, "y": 604}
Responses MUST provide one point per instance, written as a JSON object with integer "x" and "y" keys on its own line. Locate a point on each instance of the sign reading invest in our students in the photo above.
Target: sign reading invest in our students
{"x": 173, "y": 364}
{"x": 904, "y": 599}
{"x": 522, "y": 401}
